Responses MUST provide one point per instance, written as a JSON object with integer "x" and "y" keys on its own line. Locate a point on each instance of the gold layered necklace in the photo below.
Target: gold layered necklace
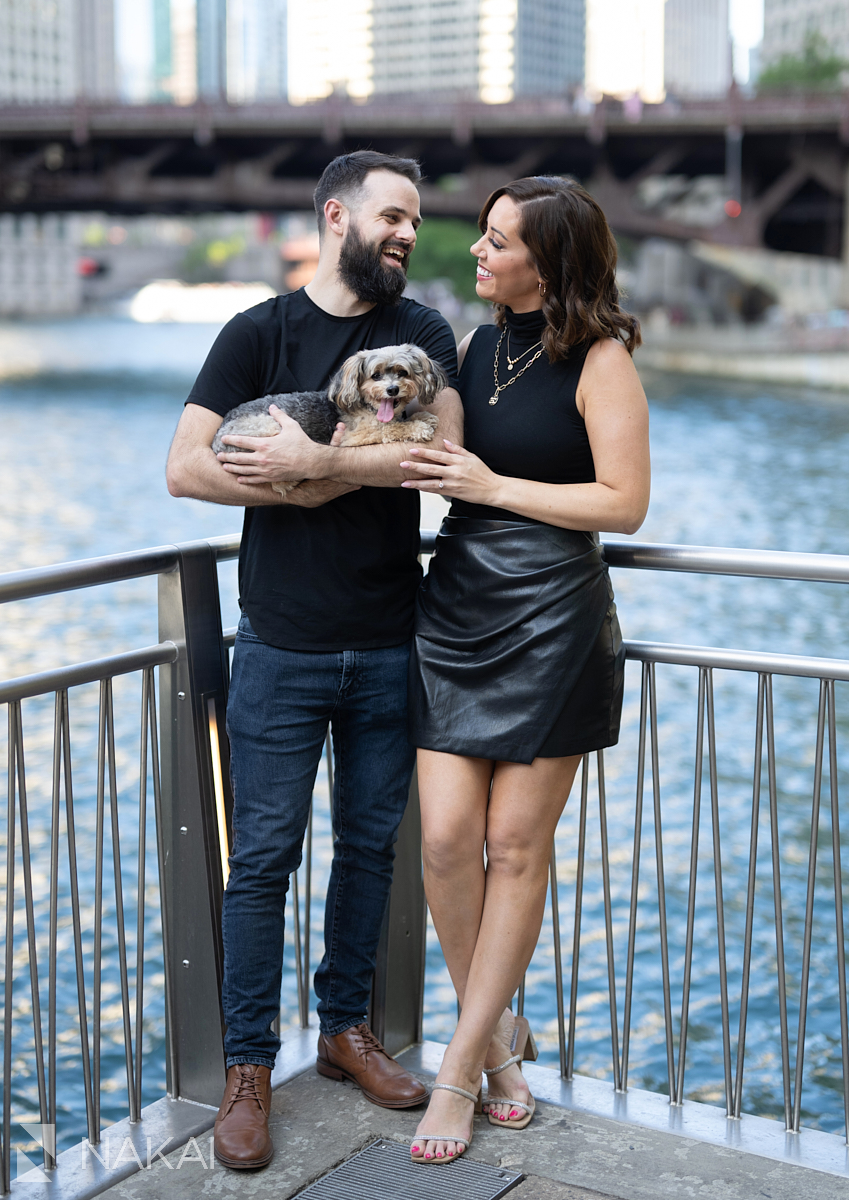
{"x": 511, "y": 362}
{"x": 499, "y": 387}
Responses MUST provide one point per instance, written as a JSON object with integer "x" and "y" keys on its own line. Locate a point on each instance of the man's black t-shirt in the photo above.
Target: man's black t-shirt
{"x": 342, "y": 576}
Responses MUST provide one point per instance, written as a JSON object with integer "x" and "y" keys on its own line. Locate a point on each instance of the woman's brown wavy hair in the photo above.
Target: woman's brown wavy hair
{"x": 571, "y": 246}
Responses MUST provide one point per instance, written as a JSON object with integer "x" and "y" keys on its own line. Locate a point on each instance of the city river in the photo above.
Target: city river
{"x": 88, "y": 409}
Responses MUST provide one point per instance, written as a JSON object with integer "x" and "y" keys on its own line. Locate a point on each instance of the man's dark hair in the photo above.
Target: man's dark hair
{"x": 344, "y": 177}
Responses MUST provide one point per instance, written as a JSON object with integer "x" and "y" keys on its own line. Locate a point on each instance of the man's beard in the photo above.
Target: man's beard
{"x": 361, "y": 270}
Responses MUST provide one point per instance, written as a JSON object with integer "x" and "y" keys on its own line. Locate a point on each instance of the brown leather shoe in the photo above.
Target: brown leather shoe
{"x": 241, "y": 1133}
{"x": 357, "y": 1055}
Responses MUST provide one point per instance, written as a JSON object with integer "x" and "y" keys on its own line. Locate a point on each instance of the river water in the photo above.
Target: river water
{"x": 88, "y": 408}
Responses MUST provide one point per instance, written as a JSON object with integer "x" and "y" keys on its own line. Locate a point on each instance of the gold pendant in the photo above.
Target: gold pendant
{"x": 509, "y": 365}
{"x": 493, "y": 400}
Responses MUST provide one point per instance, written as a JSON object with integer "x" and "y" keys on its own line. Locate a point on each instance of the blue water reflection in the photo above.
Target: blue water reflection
{"x": 734, "y": 465}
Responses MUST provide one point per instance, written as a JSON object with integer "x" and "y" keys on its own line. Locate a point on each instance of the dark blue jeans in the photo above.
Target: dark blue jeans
{"x": 280, "y": 704}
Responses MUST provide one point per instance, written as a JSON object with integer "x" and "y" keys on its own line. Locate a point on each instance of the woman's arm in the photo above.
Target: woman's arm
{"x": 613, "y": 404}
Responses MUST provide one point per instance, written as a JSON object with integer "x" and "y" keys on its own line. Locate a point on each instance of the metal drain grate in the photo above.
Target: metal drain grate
{"x": 383, "y": 1171}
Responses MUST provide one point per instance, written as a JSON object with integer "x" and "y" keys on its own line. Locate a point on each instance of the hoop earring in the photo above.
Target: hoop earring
{"x": 542, "y": 288}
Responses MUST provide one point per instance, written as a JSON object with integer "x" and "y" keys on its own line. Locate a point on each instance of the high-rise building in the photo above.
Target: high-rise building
{"x": 550, "y": 46}
{"x": 211, "y": 48}
{"x": 256, "y": 50}
{"x": 56, "y": 50}
{"x": 163, "y": 49}
{"x": 625, "y": 48}
{"x": 94, "y": 22}
{"x": 696, "y": 47}
{"x": 788, "y": 24}
{"x": 330, "y": 48}
{"x": 488, "y": 49}
{"x": 175, "y": 68}
{"x": 425, "y": 47}
{"x": 36, "y": 61}
{"x": 38, "y": 264}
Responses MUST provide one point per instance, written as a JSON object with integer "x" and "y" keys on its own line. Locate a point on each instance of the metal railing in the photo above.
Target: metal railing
{"x": 759, "y": 564}
{"x": 184, "y": 766}
{"x": 85, "y": 913}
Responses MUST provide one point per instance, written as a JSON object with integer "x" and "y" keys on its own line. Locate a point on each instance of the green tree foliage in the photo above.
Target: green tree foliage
{"x": 442, "y": 252}
{"x": 815, "y": 67}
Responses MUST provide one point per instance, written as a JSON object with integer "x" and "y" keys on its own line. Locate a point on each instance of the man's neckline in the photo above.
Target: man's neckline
{"x": 334, "y": 316}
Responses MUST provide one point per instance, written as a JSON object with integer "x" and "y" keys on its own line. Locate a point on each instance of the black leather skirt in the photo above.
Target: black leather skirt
{"x": 517, "y": 652}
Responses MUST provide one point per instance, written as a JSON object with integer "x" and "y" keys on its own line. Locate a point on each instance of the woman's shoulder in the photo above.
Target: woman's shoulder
{"x": 608, "y": 351}
{"x": 607, "y": 359}
{"x": 609, "y": 370}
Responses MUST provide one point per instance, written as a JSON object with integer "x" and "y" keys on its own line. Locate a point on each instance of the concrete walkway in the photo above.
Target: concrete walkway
{"x": 565, "y": 1154}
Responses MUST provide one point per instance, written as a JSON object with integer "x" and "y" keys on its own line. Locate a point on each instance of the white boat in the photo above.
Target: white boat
{"x": 201, "y": 303}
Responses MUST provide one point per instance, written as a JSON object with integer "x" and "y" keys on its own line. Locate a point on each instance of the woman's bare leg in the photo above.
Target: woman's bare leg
{"x": 454, "y": 793}
{"x": 524, "y": 807}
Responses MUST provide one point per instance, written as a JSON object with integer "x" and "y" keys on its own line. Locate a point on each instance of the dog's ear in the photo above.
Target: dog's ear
{"x": 430, "y": 377}
{"x": 344, "y": 389}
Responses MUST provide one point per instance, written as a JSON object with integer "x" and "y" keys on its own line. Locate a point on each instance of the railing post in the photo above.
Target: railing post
{"x": 193, "y": 831}
{"x": 398, "y": 991}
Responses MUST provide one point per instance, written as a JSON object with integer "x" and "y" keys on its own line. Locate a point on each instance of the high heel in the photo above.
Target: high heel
{"x": 522, "y": 1042}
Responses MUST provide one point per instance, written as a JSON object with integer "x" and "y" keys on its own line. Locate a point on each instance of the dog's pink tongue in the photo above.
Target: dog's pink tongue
{"x": 386, "y": 411}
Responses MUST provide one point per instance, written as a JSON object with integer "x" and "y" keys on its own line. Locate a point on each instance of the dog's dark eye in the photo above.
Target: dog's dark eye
{"x": 401, "y": 373}
{"x": 377, "y": 375}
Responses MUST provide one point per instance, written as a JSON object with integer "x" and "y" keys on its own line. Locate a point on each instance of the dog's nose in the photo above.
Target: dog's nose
{"x": 393, "y": 390}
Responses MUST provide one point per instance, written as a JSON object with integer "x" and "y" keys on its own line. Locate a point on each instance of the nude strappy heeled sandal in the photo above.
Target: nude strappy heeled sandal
{"x": 447, "y": 1137}
{"x": 526, "y": 1050}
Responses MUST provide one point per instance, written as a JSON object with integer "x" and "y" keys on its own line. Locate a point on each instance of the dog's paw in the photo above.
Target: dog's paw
{"x": 421, "y": 427}
{"x": 285, "y": 487}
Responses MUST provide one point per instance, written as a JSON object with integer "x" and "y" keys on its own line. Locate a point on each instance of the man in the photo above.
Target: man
{"x": 327, "y": 577}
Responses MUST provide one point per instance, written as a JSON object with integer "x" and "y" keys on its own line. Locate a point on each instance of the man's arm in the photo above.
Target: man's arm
{"x": 292, "y": 455}
{"x": 193, "y": 470}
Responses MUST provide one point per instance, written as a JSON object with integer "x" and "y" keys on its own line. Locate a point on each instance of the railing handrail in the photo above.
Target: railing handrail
{"x": 716, "y": 560}
{"x": 729, "y": 560}
{"x": 62, "y": 678}
{"x": 803, "y": 665}
{"x": 86, "y": 572}
{"x": 654, "y": 556}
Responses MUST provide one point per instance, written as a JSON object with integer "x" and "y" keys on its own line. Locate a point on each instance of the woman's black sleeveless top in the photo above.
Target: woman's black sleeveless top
{"x": 535, "y": 430}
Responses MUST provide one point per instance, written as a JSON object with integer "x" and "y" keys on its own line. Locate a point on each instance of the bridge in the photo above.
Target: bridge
{"x": 784, "y": 159}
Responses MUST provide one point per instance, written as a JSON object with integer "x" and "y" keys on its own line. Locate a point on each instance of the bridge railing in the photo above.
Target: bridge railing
{"x": 183, "y": 768}
{"x": 107, "y": 920}
{"x": 69, "y": 928}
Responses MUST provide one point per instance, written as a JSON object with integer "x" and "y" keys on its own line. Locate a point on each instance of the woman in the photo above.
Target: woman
{"x": 518, "y": 662}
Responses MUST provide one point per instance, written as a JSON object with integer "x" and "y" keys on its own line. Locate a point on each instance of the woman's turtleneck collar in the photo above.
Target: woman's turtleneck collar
{"x": 524, "y": 328}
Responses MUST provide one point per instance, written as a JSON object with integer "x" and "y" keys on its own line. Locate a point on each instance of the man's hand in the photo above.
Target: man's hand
{"x": 193, "y": 470}
{"x": 314, "y": 492}
{"x": 289, "y": 455}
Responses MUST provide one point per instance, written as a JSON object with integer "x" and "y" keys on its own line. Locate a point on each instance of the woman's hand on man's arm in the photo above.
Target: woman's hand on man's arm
{"x": 613, "y": 404}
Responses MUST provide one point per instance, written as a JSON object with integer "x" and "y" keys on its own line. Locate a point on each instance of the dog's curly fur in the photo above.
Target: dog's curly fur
{"x": 364, "y": 391}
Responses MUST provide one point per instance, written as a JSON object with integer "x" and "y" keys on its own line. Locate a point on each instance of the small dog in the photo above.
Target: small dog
{"x": 369, "y": 393}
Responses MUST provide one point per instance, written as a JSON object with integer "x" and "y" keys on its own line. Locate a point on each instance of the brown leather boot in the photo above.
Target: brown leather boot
{"x": 241, "y": 1133}
{"x": 357, "y": 1055}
